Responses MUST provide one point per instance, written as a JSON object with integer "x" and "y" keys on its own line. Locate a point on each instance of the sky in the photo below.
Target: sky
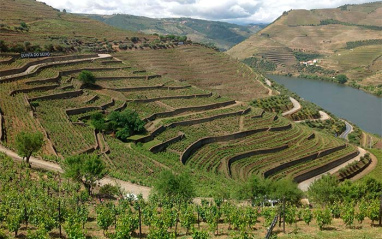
{"x": 234, "y": 11}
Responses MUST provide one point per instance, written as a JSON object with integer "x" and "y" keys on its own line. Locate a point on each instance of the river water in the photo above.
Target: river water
{"x": 356, "y": 106}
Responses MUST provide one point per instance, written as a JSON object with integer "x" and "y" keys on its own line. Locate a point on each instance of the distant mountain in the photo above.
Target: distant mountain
{"x": 346, "y": 40}
{"x": 221, "y": 34}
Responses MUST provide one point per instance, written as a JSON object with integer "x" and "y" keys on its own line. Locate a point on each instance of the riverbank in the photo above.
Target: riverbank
{"x": 355, "y": 106}
{"x": 373, "y": 90}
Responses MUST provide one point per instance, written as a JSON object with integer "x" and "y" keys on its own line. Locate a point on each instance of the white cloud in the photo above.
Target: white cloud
{"x": 244, "y": 11}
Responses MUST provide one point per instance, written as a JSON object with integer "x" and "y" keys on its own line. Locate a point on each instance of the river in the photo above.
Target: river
{"x": 356, "y": 106}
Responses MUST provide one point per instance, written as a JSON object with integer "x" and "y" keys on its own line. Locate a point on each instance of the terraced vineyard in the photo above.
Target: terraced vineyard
{"x": 203, "y": 68}
{"x": 188, "y": 127}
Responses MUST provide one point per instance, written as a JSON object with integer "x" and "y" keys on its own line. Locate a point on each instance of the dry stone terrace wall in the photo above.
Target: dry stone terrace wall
{"x": 162, "y": 146}
{"x": 128, "y": 77}
{"x": 45, "y": 60}
{"x": 37, "y": 88}
{"x": 188, "y": 109}
{"x": 303, "y": 160}
{"x": 208, "y": 140}
{"x": 69, "y": 72}
{"x": 322, "y": 169}
{"x": 2, "y": 129}
{"x": 82, "y": 110}
{"x": 157, "y": 87}
{"x": 170, "y": 98}
{"x": 237, "y": 157}
{"x": 63, "y": 95}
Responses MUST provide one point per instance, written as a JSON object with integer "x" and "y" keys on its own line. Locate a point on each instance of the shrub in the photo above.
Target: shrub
{"x": 87, "y": 77}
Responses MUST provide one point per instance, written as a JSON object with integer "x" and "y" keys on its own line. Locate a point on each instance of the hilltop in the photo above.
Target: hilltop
{"x": 223, "y": 35}
{"x": 345, "y": 40}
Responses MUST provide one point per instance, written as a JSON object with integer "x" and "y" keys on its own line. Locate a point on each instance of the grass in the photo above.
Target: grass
{"x": 376, "y": 173}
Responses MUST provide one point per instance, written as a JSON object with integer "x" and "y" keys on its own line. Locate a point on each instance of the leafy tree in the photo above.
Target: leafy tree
{"x": 342, "y": 79}
{"x": 105, "y": 217}
{"x": 87, "y": 77}
{"x": 97, "y": 120}
{"x": 286, "y": 188}
{"x": 125, "y": 123}
{"x": 3, "y": 46}
{"x": 28, "y": 143}
{"x": 324, "y": 190}
{"x": 348, "y": 214}
{"x": 177, "y": 189}
{"x": 84, "y": 168}
{"x": 257, "y": 189}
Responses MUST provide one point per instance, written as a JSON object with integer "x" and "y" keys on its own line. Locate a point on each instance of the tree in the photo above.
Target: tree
{"x": 28, "y": 143}
{"x": 342, "y": 79}
{"x": 125, "y": 123}
{"x": 288, "y": 189}
{"x": 97, "y": 120}
{"x": 176, "y": 189}
{"x": 87, "y": 77}
{"x": 324, "y": 190}
{"x": 84, "y": 168}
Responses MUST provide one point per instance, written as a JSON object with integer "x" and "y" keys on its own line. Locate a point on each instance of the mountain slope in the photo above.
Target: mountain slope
{"x": 331, "y": 33}
{"x": 223, "y": 35}
{"x": 46, "y": 25}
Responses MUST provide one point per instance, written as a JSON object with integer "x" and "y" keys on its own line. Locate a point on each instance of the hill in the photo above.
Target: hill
{"x": 223, "y": 35}
{"x": 46, "y": 28}
{"x": 345, "y": 40}
{"x": 192, "y": 110}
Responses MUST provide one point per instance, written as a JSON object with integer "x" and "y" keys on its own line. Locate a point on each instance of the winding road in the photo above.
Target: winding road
{"x": 296, "y": 107}
{"x": 348, "y": 130}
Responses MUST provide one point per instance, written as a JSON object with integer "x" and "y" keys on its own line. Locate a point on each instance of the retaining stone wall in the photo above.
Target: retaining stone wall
{"x": 349, "y": 176}
{"x": 171, "y": 98}
{"x": 162, "y": 146}
{"x": 237, "y": 157}
{"x": 37, "y": 88}
{"x": 302, "y": 160}
{"x": 58, "y": 96}
{"x": 324, "y": 168}
{"x": 208, "y": 140}
{"x": 94, "y": 98}
{"x": 46, "y": 60}
{"x": 1, "y": 127}
{"x": 186, "y": 109}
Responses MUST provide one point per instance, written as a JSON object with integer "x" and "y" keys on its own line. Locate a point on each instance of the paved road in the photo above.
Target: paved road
{"x": 347, "y": 131}
{"x": 296, "y": 107}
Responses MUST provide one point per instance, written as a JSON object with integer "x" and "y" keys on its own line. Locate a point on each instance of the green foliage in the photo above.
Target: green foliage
{"x": 125, "y": 123}
{"x": 126, "y": 224}
{"x": 348, "y": 214}
{"x": 28, "y": 143}
{"x": 355, "y": 136}
{"x": 307, "y": 215}
{"x": 342, "y": 79}
{"x": 324, "y": 190}
{"x": 97, "y": 120}
{"x": 286, "y": 188}
{"x": 109, "y": 190}
{"x": 73, "y": 228}
{"x": 84, "y": 168}
{"x": 354, "y": 44}
{"x": 173, "y": 187}
{"x": 260, "y": 64}
{"x": 105, "y": 217}
{"x": 323, "y": 217}
{"x": 278, "y": 103}
{"x": 200, "y": 235}
{"x": 332, "y": 126}
{"x": 87, "y": 77}
{"x": 302, "y": 56}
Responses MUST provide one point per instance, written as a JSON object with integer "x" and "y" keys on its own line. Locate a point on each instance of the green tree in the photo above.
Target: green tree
{"x": 87, "y": 77}
{"x": 28, "y": 143}
{"x": 97, "y": 120}
{"x": 125, "y": 123}
{"x": 324, "y": 190}
{"x": 323, "y": 217}
{"x": 342, "y": 79}
{"x": 177, "y": 189}
{"x": 286, "y": 188}
{"x": 84, "y": 168}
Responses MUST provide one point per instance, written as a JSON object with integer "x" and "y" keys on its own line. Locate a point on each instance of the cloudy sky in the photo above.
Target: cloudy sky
{"x": 236, "y": 11}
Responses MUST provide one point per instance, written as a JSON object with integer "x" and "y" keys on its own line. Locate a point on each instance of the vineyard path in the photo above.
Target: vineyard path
{"x": 50, "y": 166}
